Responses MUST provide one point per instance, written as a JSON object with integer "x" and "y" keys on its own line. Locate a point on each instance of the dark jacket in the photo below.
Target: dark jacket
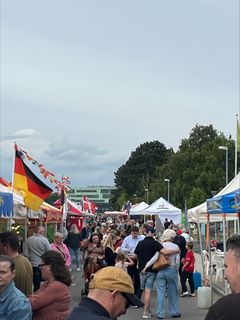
{"x": 226, "y": 308}
{"x": 73, "y": 240}
{"x": 89, "y": 309}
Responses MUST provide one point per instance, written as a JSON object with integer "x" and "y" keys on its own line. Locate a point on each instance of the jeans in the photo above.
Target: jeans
{"x": 167, "y": 279}
{"x": 75, "y": 256}
{"x": 37, "y": 278}
{"x": 147, "y": 280}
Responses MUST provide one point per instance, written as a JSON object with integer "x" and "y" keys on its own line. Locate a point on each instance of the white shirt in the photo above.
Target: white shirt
{"x": 129, "y": 243}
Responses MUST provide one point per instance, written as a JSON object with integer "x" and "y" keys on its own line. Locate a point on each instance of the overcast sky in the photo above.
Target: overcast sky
{"x": 84, "y": 83}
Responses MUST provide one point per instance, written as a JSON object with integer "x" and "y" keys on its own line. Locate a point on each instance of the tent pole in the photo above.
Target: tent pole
{"x": 224, "y": 249}
{"x": 201, "y": 251}
{"x": 210, "y": 256}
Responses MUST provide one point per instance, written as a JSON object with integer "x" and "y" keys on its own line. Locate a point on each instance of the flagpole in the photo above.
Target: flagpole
{"x": 236, "y": 145}
{"x": 12, "y": 186}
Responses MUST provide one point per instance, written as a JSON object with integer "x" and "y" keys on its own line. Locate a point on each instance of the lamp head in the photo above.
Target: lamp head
{"x": 223, "y": 148}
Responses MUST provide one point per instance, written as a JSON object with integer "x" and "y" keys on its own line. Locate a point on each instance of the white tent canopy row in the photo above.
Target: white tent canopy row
{"x": 198, "y": 214}
{"x": 160, "y": 207}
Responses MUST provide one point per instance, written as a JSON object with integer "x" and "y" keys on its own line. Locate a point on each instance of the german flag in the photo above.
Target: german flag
{"x": 33, "y": 189}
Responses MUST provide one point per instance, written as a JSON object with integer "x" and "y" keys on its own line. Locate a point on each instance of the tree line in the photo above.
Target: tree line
{"x": 196, "y": 171}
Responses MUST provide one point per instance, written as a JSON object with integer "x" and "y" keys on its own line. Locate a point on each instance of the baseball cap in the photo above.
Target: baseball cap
{"x": 113, "y": 278}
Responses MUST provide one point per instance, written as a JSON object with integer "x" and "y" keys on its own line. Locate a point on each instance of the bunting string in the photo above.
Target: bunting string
{"x": 63, "y": 184}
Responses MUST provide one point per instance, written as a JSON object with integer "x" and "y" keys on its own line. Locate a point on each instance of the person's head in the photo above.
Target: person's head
{"x": 150, "y": 231}
{"x": 232, "y": 263}
{"x": 53, "y": 267}
{"x": 168, "y": 235}
{"x": 41, "y": 230}
{"x": 189, "y": 245}
{"x": 109, "y": 241}
{"x": 7, "y": 271}
{"x": 95, "y": 239}
{"x": 74, "y": 228}
{"x": 58, "y": 238}
{"x": 113, "y": 289}
{"x": 134, "y": 232}
{"x": 8, "y": 243}
{"x": 121, "y": 256}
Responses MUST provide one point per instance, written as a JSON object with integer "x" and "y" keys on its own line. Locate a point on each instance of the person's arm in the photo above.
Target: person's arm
{"x": 168, "y": 252}
{"x": 151, "y": 261}
{"x": 46, "y": 296}
{"x": 67, "y": 256}
{"x": 129, "y": 261}
{"x": 124, "y": 245}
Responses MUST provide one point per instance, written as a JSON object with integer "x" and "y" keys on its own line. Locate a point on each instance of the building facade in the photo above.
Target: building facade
{"x": 100, "y": 195}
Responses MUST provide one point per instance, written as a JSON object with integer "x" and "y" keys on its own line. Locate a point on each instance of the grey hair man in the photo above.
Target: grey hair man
{"x": 36, "y": 246}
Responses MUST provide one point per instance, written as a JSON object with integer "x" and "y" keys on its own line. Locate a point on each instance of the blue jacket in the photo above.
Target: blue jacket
{"x": 14, "y": 304}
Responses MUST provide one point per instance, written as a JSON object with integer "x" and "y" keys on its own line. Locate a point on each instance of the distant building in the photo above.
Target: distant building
{"x": 100, "y": 195}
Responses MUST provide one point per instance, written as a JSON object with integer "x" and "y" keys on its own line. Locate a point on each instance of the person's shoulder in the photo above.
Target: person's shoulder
{"x": 225, "y": 308}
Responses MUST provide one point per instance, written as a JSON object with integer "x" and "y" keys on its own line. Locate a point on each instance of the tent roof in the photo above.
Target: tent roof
{"x": 199, "y": 213}
{"x": 160, "y": 206}
{"x": 138, "y": 207}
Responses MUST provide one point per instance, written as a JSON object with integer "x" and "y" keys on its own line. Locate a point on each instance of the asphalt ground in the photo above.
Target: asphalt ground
{"x": 188, "y": 305}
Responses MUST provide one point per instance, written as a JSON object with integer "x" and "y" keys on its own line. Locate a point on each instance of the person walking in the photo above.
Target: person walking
{"x": 110, "y": 294}
{"x": 23, "y": 279}
{"x": 128, "y": 246}
{"x": 227, "y": 307}
{"x": 36, "y": 246}
{"x": 73, "y": 243}
{"x": 14, "y": 305}
{"x": 187, "y": 271}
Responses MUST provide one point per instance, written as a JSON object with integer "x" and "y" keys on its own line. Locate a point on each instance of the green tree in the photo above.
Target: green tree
{"x": 135, "y": 175}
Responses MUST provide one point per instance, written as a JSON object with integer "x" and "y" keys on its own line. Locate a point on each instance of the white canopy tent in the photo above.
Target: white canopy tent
{"x": 163, "y": 209}
{"x": 138, "y": 207}
{"x": 198, "y": 214}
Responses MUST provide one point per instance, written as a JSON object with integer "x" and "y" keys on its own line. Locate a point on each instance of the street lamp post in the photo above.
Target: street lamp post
{"x": 168, "y": 189}
{"x": 226, "y": 149}
{"x": 146, "y": 190}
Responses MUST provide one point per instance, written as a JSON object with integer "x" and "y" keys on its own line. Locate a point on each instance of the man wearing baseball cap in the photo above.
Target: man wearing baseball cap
{"x": 111, "y": 292}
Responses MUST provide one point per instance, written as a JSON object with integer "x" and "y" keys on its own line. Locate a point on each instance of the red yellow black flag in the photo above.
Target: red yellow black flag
{"x": 33, "y": 189}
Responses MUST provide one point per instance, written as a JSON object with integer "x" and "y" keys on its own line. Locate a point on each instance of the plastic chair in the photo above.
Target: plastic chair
{"x": 219, "y": 268}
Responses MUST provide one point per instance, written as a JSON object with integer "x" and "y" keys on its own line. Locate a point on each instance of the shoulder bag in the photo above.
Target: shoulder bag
{"x": 161, "y": 263}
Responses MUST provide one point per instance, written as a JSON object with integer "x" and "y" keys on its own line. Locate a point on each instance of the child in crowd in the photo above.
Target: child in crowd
{"x": 123, "y": 261}
{"x": 187, "y": 271}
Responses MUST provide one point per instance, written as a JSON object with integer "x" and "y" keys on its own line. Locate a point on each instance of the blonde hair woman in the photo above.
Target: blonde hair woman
{"x": 108, "y": 247}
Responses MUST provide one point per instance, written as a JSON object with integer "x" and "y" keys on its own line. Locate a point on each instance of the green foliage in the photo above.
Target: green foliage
{"x": 135, "y": 175}
{"x": 195, "y": 170}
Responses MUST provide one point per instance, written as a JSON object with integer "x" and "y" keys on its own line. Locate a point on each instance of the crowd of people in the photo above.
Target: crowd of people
{"x": 118, "y": 260}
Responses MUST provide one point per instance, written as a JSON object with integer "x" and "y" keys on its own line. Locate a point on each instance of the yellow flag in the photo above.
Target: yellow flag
{"x": 238, "y": 136}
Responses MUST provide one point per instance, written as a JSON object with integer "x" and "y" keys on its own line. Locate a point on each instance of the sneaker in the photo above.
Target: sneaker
{"x": 176, "y": 315}
{"x": 146, "y": 315}
{"x": 192, "y": 295}
{"x": 184, "y": 294}
{"x": 78, "y": 269}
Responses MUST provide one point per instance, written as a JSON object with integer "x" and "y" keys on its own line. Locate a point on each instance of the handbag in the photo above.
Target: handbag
{"x": 161, "y": 263}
